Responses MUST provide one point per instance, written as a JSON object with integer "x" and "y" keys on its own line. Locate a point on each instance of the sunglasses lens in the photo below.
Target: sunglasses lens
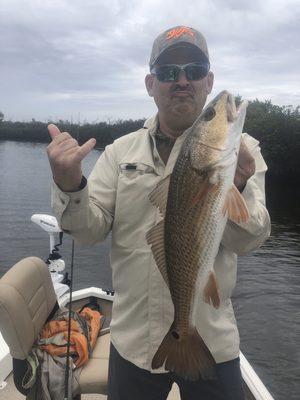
{"x": 167, "y": 73}
{"x": 196, "y": 71}
{"x": 193, "y": 71}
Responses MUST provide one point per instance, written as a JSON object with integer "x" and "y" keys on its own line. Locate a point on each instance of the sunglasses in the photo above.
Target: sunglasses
{"x": 169, "y": 72}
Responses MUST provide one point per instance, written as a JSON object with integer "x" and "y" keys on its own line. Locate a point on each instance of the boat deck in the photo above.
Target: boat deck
{"x": 9, "y": 392}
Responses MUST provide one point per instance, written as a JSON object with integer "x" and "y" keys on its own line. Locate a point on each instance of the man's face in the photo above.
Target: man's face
{"x": 179, "y": 103}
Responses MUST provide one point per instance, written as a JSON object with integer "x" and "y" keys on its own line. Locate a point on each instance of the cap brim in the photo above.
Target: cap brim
{"x": 196, "y": 53}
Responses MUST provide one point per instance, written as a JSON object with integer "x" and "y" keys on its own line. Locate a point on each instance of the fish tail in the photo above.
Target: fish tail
{"x": 185, "y": 355}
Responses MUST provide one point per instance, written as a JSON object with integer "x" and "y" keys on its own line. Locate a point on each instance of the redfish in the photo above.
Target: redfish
{"x": 195, "y": 201}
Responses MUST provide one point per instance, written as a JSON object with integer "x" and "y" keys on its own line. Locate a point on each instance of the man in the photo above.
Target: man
{"x": 116, "y": 199}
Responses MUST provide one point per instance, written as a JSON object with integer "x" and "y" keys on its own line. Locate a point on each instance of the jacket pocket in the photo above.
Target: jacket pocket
{"x": 134, "y": 212}
{"x": 133, "y": 170}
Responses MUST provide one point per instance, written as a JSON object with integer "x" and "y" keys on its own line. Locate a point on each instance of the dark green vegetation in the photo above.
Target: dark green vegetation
{"x": 278, "y": 131}
{"x": 277, "y": 128}
{"x": 35, "y": 131}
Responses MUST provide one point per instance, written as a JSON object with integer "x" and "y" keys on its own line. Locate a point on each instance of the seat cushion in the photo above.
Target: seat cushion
{"x": 94, "y": 375}
{"x": 27, "y": 298}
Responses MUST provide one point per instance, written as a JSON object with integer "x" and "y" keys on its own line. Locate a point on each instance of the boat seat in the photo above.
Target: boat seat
{"x": 94, "y": 375}
{"x": 27, "y": 298}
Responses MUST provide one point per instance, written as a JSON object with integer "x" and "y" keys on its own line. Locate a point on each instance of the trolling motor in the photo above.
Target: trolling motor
{"x": 55, "y": 262}
{"x": 56, "y": 265}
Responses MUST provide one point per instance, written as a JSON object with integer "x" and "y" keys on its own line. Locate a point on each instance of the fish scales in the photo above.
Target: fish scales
{"x": 184, "y": 243}
{"x": 200, "y": 193}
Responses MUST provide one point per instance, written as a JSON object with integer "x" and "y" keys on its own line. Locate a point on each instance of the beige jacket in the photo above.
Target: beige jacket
{"x": 116, "y": 199}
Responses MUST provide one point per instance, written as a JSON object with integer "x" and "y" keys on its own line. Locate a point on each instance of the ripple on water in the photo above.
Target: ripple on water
{"x": 266, "y": 303}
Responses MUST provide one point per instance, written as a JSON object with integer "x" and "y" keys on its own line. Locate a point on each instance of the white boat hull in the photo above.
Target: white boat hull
{"x": 255, "y": 387}
{"x": 5, "y": 361}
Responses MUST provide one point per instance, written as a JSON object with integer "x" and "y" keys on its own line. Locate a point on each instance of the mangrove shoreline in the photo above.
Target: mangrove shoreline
{"x": 276, "y": 127}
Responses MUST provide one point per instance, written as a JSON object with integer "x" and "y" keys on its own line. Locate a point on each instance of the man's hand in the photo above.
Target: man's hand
{"x": 245, "y": 167}
{"x": 65, "y": 156}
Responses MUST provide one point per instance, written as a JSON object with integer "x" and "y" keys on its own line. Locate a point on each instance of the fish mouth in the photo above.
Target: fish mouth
{"x": 233, "y": 111}
{"x": 241, "y": 107}
{"x": 231, "y": 108}
{"x": 236, "y": 118}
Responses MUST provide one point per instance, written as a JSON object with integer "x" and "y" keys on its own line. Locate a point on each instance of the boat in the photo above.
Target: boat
{"x": 254, "y": 387}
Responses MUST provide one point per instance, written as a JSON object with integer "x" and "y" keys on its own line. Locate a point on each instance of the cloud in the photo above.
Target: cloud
{"x": 59, "y": 58}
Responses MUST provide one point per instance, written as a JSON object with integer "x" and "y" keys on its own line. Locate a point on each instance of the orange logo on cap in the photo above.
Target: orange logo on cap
{"x": 177, "y": 32}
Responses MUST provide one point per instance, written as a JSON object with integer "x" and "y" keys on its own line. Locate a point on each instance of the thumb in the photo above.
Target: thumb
{"x": 53, "y": 131}
{"x": 86, "y": 148}
{"x": 245, "y": 155}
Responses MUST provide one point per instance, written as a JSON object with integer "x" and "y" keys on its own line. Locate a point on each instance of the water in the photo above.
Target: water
{"x": 25, "y": 183}
{"x": 266, "y": 298}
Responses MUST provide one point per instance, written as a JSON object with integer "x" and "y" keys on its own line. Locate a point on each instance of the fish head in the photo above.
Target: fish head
{"x": 217, "y": 131}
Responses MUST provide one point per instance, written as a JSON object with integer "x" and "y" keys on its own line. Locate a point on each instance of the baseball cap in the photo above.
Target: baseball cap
{"x": 182, "y": 36}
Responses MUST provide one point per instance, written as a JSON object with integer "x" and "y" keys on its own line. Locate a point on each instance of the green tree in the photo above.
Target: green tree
{"x": 1, "y": 116}
{"x": 278, "y": 130}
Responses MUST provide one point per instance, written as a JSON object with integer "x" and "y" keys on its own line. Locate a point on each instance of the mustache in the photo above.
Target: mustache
{"x": 180, "y": 88}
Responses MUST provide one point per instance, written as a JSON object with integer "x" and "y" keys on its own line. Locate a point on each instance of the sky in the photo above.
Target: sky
{"x": 86, "y": 60}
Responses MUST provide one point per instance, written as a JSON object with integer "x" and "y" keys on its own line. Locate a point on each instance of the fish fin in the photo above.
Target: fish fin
{"x": 159, "y": 195}
{"x": 155, "y": 238}
{"x": 236, "y": 206}
{"x": 211, "y": 292}
{"x": 186, "y": 355}
{"x": 205, "y": 187}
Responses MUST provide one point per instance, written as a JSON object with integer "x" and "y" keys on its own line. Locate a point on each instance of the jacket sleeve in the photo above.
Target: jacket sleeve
{"x": 244, "y": 237}
{"x": 87, "y": 215}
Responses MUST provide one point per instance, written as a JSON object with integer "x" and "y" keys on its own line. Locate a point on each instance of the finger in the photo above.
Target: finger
{"x": 53, "y": 131}
{"x": 57, "y": 141}
{"x": 86, "y": 148}
{"x": 245, "y": 155}
{"x": 243, "y": 146}
{"x": 68, "y": 144}
{"x": 239, "y": 177}
{"x": 245, "y": 171}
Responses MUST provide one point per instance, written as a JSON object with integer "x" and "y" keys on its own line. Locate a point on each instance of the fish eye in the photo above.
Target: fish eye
{"x": 209, "y": 114}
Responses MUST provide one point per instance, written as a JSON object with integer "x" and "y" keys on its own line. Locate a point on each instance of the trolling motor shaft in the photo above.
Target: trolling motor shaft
{"x": 55, "y": 262}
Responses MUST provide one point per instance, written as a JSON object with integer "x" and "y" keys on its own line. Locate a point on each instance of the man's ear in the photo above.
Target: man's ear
{"x": 209, "y": 81}
{"x": 149, "y": 80}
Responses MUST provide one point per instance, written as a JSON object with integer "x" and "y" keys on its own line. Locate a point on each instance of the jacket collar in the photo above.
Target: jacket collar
{"x": 151, "y": 125}
{"x": 143, "y": 149}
